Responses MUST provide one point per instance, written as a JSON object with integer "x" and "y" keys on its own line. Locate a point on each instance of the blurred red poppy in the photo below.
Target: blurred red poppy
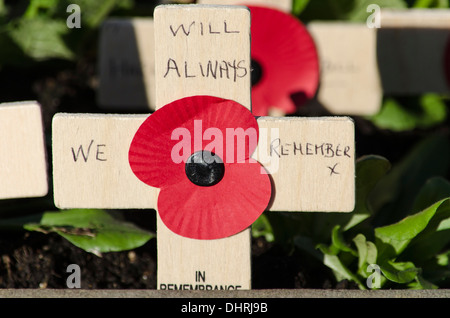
{"x": 284, "y": 62}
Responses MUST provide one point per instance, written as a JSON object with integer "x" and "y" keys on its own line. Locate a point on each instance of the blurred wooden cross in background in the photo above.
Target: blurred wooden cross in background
{"x": 23, "y": 161}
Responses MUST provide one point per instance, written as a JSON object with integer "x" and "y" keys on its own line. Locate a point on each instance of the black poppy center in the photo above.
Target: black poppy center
{"x": 256, "y": 73}
{"x": 204, "y": 168}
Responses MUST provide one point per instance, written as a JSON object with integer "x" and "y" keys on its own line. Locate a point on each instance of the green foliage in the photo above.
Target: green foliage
{"x": 354, "y": 10}
{"x": 41, "y": 33}
{"x": 95, "y": 231}
{"x": 298, "y": 6}
{"x": 392, "y": 198}
{"x": 404, "y": 114}
{"x": 431, "y": 4}
{"x": 401, "y": 222}
{"x": 349, "y": 10}
{"x": 262, "y": 228}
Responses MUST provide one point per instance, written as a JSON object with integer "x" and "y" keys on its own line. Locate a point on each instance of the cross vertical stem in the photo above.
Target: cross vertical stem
{"x": 189, "y": 39}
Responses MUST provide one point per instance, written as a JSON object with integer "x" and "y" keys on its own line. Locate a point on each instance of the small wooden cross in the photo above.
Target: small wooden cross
{"x": 23, "y": 162}
{"x": 310, "y": 160}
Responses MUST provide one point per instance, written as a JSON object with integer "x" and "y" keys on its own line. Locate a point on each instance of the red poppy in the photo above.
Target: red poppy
{"x": 284, "y": 61}
{"x": 197, "y": 151}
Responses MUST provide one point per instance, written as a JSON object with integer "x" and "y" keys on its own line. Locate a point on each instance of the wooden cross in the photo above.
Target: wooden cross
{"x": 23, "y": 163}
{"x": 349, "y": 80}
{"x": 127, "y": 59}
{"x": 405, "y": 56}
{"x": 310, "y": 160}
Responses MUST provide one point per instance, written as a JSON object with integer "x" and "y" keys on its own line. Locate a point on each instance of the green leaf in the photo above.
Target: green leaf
{"x": 391, "y": 240}
{"x": 434, "y": 110}
{"x": 409, "y": 113}
{"x": 393, "y": 116}
{"x": 423, "y": 3}
{"x": 337, "y": 240}
{"x": 435, "y": 189}
{"x": 391, "y": 198}
{"x": 262, "y": 227}
{"x": 319, "y": 226}
{"x": 42, "y": 32}
{"x": 433, "y": 239}
{"x": 399, "y": 272}
{"x": 369, "y": 171}
{"x": 367, "y": 253}
{"x": 421, "y": 283}
{"x": 41, "y": 38}
{"x": 361, "y": 247}
{"x": 310, "y": 229}
{"x": 431, "y": 4}
{"x": 334, "y": 256}
{"x": 35, "y": 8}
{"x": 95, "y": 231}
{"x": 3, "y": 8}
{"x": 340, "y": 270}
{"x": 298, "y": 6}
{"x": 372, "y": 253}
{"x": 443, "y": 259}
{"x": 11, "y": 53}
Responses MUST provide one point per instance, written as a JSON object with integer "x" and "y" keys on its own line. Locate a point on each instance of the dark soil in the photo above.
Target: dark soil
{"x": 36, "y": 260}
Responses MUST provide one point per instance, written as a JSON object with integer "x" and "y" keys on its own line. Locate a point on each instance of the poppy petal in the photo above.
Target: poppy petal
{"x": 287, "y": 55}
{"x": 218, "y": 211}
{"x": 166, "y": 139}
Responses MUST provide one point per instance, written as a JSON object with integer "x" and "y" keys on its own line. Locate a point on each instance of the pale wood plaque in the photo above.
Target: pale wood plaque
{"x": 349, "y": 78}
{"x": 127, "y": 65}
{"x": 90, "y": 162}
{"x": 411, "y": 48}
{"x": 311, "y": 162}
{"x": 23, "y": 157}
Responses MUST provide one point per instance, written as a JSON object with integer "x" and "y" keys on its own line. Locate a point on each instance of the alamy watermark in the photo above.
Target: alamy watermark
{"x": 374, "y": 19}
{"x": 74, "y": 19}
{"x": 233, "y": 144}
{"x": 74, "y": 279}
{"x": 374, "y": 279}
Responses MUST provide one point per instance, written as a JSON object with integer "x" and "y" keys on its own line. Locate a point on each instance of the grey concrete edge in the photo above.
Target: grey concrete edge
{"x": 265, "y": 293}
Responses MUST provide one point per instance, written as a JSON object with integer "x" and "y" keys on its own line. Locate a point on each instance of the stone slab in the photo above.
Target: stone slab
{"x": 263, "y": 293}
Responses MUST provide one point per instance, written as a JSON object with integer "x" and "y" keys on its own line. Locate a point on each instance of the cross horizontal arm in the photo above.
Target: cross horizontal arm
{"x": 90, "y": 162}
{"x": 310, "y": 160}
